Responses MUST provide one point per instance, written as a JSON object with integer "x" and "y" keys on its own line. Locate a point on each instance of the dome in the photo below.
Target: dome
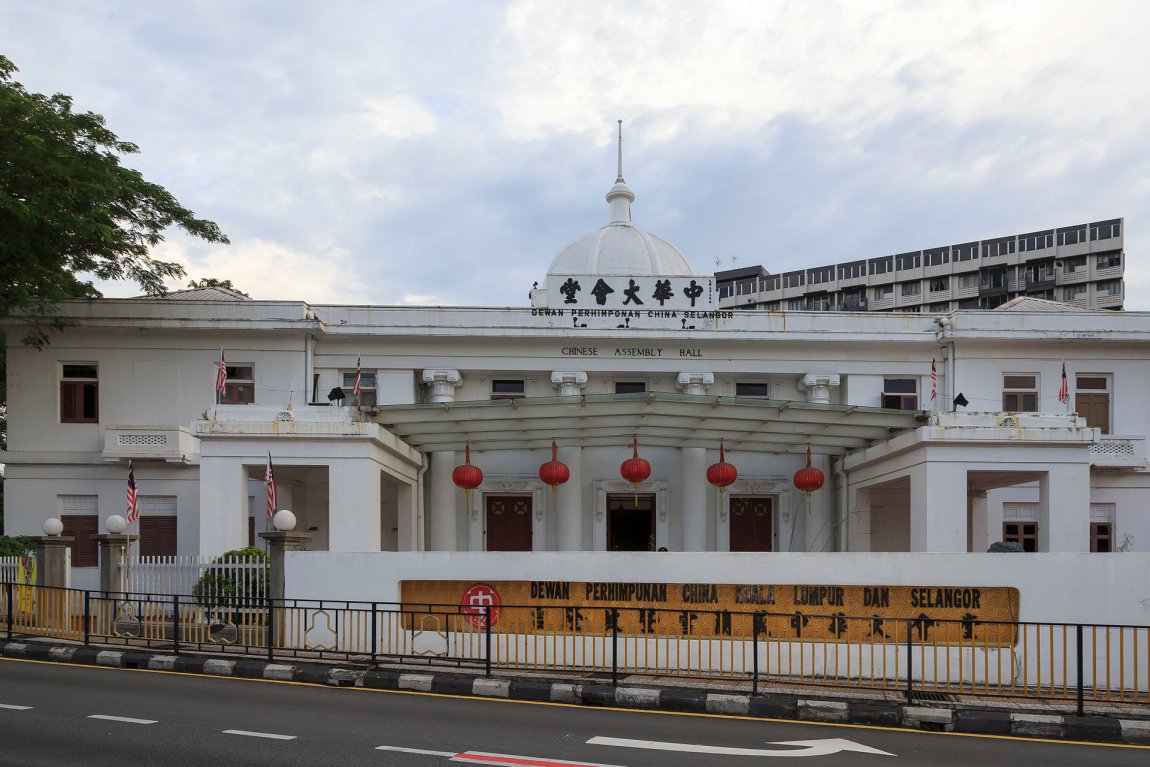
{"x": 621, "y": 248}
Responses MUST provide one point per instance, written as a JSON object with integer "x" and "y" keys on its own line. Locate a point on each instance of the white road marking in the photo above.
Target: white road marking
{"x": 126, "y": 719}
{"x": 14, "y": 708}
{"x": 809, "y": 747}
{"x": 402, "y": 750}
{"x": 250, "y": 734}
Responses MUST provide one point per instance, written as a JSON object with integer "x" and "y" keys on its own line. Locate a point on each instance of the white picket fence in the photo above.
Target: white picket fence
{"x": 179, "y": 574}
{"x": 9, "y": 569}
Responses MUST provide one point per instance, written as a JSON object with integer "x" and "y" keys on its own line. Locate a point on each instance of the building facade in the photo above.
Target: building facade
{"x": 1080, "y": 265}
{"x": 624, "y": 352}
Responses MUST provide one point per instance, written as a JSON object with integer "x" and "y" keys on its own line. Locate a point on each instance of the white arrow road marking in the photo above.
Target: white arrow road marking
{"x": 14, "y": 707}
{"x": 127, "y": 719}
{"x": 807, "y": 747}
{"x": 251, "y": 734}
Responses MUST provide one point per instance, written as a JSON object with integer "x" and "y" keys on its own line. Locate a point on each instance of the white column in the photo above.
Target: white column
{"x": 980, "y": 538}
{"x": 818, "y": 532}
{"x": 353, "y": 512}
{"x": 694, "y": 499}
{"x": 224, "y": 504}
{"x": 441, "y": 535}
{"x": 857, "y": 533}
{"x": 443, "y": 384}
{"x": 407, "y": 512}
{"x": 938, "y": 507}
{"x": 694, "y": 383}
{"x": 570, "y": 501}
{"x": 1064, "y": 509}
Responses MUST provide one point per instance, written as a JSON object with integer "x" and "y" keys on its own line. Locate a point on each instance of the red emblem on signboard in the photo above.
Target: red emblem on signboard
{"x": 479, "y": 601}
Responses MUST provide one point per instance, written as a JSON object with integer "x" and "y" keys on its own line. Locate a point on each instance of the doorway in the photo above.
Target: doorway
{"x": 508, "y": 522}
{"x": 751, "y": 522}
{"x": 631, "y": 522}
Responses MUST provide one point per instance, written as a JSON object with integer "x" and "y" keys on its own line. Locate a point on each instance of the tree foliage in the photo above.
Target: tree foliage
{"x": 212, "y": 282}
{"x": 70, "y": 212}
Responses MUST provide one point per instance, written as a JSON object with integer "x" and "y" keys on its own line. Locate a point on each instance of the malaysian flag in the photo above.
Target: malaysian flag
{"x": 933, "y": 380}
{"x": 1064, "y": 388}
{"x": 270, "y": 482}
{"x": 133, "y": 511}
{"x": 358, "y": 378}
{"x": 221, "y": 375}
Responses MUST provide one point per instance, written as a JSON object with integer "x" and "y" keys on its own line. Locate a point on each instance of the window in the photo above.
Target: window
{"x": 1092, "y": 400}
{"x": 882, "y": 265}
{"x": 1105, "y": 230}
{"x": 797, "y": 304}
{"x": 1109, "y": 288}
{"x": 1072, "y": 235}
{"x": 939, "y": 284}
{"x": 1075, "y": 264}
{"x": 820, "y": 275}
{"x": 1040, "y": 271}
{"x": 906, "y": 261}
{"x": 772, "y": 282}
{"x": 78, "y": 513}
{"x": 240, "y": 387}
{"x": 1073, "y": 292}
{"x": 853, "y": 270}
{"x": 725, "y": 290}
{"x": 1101, "y": 537}
{"x": 79, "y": 394}
{"x": 793, "y": 279}
{"x": 911, "y": 288}
{"x": 1108, "y": 260}
{"x": 367, "y": 397}
{"x": 1023, "y": 533}
{"x": 1036, "y": 241}
{"x": 157, "y": 536}
{"x": 630, "y": 387}
{"x": 900, "y": 393}
{"x": 746, "y": 287}
{"x": 748, "y": 389}
{"x": 936, "y": 257}
{"x": 505, "y": 388}
{"x": 1020, "y": 393}
{"x": 998, "y": 248}
{"x": 941, "y": 306}
{"x": 967, "y": 252}
{"x": 882, "y": 291}
{"x": 968, "y": 281}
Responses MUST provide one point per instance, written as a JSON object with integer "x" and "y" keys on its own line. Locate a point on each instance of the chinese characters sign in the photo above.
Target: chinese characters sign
{"x": 622, "y": 292}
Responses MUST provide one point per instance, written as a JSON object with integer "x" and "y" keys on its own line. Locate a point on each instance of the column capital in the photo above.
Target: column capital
{"x": 694, "y": 383}
{"x": 289, "y": 540}
{"x": 817, "y": 386}
{"x": 443, "y": 384}
{"x": 569, "y": 383}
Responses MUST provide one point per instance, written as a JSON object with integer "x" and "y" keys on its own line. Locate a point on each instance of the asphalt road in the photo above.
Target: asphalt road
{"x": 53, "y": 714}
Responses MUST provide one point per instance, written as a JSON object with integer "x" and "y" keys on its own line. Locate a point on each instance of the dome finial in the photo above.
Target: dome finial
{"x": 619, "y": 178}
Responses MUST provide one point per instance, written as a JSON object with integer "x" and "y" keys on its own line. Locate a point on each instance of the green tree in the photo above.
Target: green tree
{"x": 212, "y": 282}
{"x": 70, "y": 212}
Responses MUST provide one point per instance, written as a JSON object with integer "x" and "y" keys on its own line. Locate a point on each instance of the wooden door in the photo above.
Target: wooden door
{"x": 751, "y": 518}
{"x": 508, "y": 522}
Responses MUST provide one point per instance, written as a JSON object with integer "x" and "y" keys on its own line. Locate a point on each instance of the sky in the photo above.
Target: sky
{"x": 442, "y": 153}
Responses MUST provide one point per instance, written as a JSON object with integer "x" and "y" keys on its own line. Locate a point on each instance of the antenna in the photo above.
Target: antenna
{"x": 619, "y": 180}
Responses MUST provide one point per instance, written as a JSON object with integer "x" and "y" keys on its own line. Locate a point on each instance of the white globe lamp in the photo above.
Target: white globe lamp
{"x": 284, "y": 521}
{"x": 115, "y": 524}
{"x": 52, "y": 526}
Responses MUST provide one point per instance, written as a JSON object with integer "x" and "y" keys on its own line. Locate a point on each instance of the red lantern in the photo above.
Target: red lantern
{"x": 722, "y": 473}
{"x": 635, "y": 469}
{"x": 809, "y": 479}
{"x": 554, "y": 472}
{"x": 467, "y": 476}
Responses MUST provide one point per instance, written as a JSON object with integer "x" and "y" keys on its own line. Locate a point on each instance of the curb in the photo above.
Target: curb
{"x": 685, "y": 700}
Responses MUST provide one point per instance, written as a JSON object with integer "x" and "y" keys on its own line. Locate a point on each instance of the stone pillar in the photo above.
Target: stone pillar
{"x": 1064, "y": 508}
{"x": 569, "y": 384}
{"x": 353, "y": 512}
{"x": 443, "y": 384}
{"x": 694, "y": 383}
{"x": 818, "y": 386}
{"x": 694, "y": 498}
{"x": 278, "y": 543}
{"x": 51, "y": 559}
{"x": 441, "y": 533}
{"x": 938, "y": 507}
{"x": 115, "y": 549}
{"x": 570, "y": 501}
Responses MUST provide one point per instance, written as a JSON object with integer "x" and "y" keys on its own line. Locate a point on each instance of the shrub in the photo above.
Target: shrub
{"x": 14, "y": 546}
{"x": 220, "y": 586}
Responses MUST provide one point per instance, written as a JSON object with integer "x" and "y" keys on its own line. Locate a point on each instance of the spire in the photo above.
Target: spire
{"x": 620, "y": 197}
{"x": 619, "y": 178}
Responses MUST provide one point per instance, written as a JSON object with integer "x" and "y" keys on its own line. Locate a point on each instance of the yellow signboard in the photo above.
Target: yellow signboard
{"x": 818, "y": 612}
{"x": 26, "y": 576}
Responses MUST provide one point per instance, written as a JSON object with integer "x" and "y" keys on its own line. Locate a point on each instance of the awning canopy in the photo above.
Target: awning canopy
{"x": 656, "y": 418}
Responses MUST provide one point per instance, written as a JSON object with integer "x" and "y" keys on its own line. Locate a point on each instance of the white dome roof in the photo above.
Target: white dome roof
{"x": 621, "y": 248}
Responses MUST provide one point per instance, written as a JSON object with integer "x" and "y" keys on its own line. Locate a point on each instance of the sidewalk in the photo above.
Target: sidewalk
{"x": 1120, "y": 723}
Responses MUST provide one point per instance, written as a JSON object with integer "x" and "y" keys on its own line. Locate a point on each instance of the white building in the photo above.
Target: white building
{"x": 622, "y": 342}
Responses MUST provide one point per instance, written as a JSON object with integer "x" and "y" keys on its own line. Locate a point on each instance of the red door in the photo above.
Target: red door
{"x": 751, "y": 523}
{"x": 508, "y": 522}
